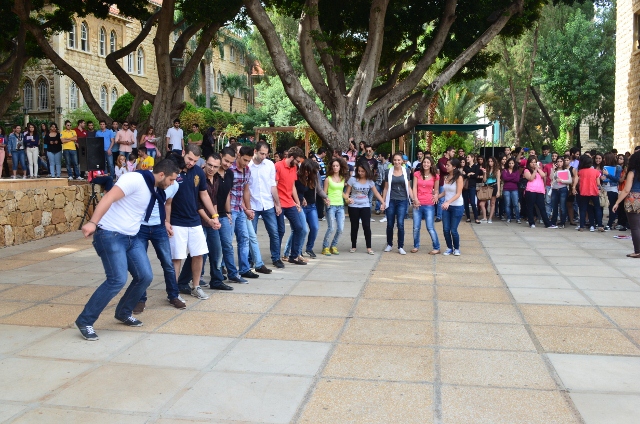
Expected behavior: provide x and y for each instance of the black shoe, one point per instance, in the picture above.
(220, 286)
(87, 332)
(438, 219)
(278, 264)
(139, 308)
(263, 270)
(184, 288)
(130, 321)
(224, 270)
(238, 280)
(297, 261)
(311, 254)
(249, 274)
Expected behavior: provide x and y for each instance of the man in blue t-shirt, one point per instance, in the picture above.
(183, 220)
(108, 140)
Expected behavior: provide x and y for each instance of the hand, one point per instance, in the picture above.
(445, 206)
(215, 223)
(383, 207)
(304, 202)
(605, 172)
(615, 207)
(169, 228)
(327, 202)
(298, 208)
(278, 210)
(350, 201)
(416, 204)
(88, 229)
(498, 195)
(250, 213)
(230, 219)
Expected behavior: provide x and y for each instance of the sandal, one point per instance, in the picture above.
(352, 250)
(414, 250)
(468, 219)
(633, 255)
(477, 221)
(434, 252)
(371, 252)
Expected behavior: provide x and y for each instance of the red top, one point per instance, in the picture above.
(548, 169)
(80, 133)
(589, 182)
(425, 188)
(286, 176)
(442, 167)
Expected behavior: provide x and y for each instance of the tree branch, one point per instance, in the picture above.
(20, 57)
(194, 61)
(324, 51)
(384, 88)
(401, 110)
(309, 61)
(181, 43)
(529, 78)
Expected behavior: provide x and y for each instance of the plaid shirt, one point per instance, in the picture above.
(240, 179)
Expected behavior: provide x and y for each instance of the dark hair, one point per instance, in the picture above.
(89, 122)
(132, 157)
(574, 150)
(322, 150)
(432, 169)
(510, 159)
(176, 158)
(80, 121)
(450, 148)
(214, 155)
(530, 159)
(53, 124)
(195, 125)
(230, 151)
(308, 174)
(295, 152)
(260, 144)
(495, 169)
(585, 162)
(610, 159)
(101, 121)
(176, 120)
(167, 166)
(30, 124)
(142, 149)
(344, 168)
(246, 151)
(133, 123)
(634, 165)
(455, 162)
(193, 148)
(65, 122)
(601, 165)
(368, 173)
(545, 147)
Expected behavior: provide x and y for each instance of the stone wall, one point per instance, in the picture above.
(35, 213)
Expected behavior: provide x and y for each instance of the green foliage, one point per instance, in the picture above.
(201, 101)
(122, 106)
(277, 106)
(459, 103)
(442, 141)
(255, 117)
(232, 84)
(83, 112)
(220, 120)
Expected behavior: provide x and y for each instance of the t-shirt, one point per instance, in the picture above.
(442, 167)
(398, 188)
(175, 138)
(154, 218)
(194, 137)
(286, 177)
(360, 193)
(124, 215)
(146, 163)
(68, 145)
(225, 183)
(124, 135)
(588, 179)
(184, 207)
(548, 170)
(425, 188)
(106, 135)
(80, 133)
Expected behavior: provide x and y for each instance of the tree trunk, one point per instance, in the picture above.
(207, 84)
(430, 117)
(19, 59)
(544, 111)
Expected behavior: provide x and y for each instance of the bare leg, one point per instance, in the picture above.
(570, 212)
(196, 270)
(492, 208)
(483, 209)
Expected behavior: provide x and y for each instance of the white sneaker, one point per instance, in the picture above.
(448, 252)
(71, 178)
(388, 248)
(199, 293)
(533, 225)
(373, 220)
(384, 219)
(489, 222)
(456, 252)
(79, 179)
(401, 251)
(323, 219)
(181, 299)
(592, 229)
(552, 226)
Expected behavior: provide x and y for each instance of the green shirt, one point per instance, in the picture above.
(194, 137)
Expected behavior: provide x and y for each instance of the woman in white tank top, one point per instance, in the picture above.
(452, 209)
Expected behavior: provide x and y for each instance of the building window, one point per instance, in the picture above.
(636, 31)
(112, 42)
(27, 90)
(114, 97)
(43, 95)
(130, 63)
(140, 61)
(73, 96)
(84, 37)
(219, 83)
(72, 37)
(242, 57)
(593, 132)
(232, 54)
(102, 41)
(103, 97)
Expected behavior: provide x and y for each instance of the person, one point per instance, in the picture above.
(511, 177)
(133, 127)
(452, 206)
(303, 180)
(108, 140)
(310, 184)
(337, 176)
(589, 189)
(320, 204)
(264, 198)
(69, 139)
(360, 190)
(286, 176)
(442, 168)
(208, 142)
(276, 157)
(115, 149)
(380, 174)
(183, 221)
(546, 156)
(131, 162)
(461, 154)
(418, 161)
(43, 130)
(3, 146)
(16, 151)
(32, 148)
(491, 179)
(622, 215)
(100, 178)
(610, 184)
(426, 185)
(196, 136)
(121, 166)
(91, 130)
(559, 192)
(570, 196)
(575, 157)
(534, 192)
(124, 140)
(548, 170)
(396, 194)
(474, 175)
(115, 225)
(630, 195)
(144, 161)
(175, 138)
(362, 146)
(149, 141)
(352, 154)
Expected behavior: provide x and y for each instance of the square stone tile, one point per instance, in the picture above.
(485, 336)
(588, 271)
(45, 315)
(395, 309)
(281, 327)
(524, 269)
(549, 296)
(615, 298)
(34, 293)
(569, 316)
(327, 288)
(584, 340)
(8, 410)
(401, 277)
(81, 295)
(388, 332)
(478, 312)
(475, 405)
(55, 415)
(242, 397)
(31, 379)
(209, 323)
(151, 318)
(593, 373)
(539, 282)
(173, 351)
(314, 305)
(531, 260)
(495, 368)
(275, 357)
(473, 294)
(7, 308)
(343, 401)
(278, 287)
(625, 317)
(391, 363)
(398, 291)
(603, 283)
(600, 408)
(243, 303)
(72, 279)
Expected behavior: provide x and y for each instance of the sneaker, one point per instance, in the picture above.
(87, 332)
(79, 179)
(377, 212)
(388, 248)
(438, 219)
(184, 289)
(373, 220)
(139, 307)
(249, 274)
(311, 254)
(533, 225)
(323, 219)
(508, 221)
(518, 221)
(448, 252)
(238, 279)
(326, 251)
(561, 226)
(199, 293)
(13, 177)
(553, 227)
(181, 299)
(334, 251)
(607, 228)
(177, 303)
(489, 222)
(70, 178)
(456, 252)
(263, 270)
(131, 321)
(592, 229)
(622, 228)
(384, 219)
(401, 251)
(619, 227)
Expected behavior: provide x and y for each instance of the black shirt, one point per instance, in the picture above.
(473, 179)
(224, 187)
(53, 148)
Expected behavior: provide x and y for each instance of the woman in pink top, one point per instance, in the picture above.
(149, 142)
(589, 200)
(425, 190)
(534, 194)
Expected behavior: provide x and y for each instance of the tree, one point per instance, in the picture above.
(234, 84)
(459, 103)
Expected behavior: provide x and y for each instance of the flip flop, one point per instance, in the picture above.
(414, 250)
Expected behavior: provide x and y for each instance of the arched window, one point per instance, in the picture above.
(232, 54)
(102, 42)
(140, 61)
(242, 57)
(103, 98)
(130, 63)
(43, 95)
(27, 90)
(84, 37)
(114, 97)
(72, 37)
(112, 42)
(219, 83)
(73, 96)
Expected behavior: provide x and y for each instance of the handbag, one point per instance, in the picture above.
(484, 193)
(604, 199)
(632, 203)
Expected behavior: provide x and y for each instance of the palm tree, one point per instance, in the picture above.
(459, 103)
(234, 84)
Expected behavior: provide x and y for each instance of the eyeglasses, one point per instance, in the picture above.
(125, 125)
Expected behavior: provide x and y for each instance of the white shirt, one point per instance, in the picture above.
(176, 137)
(135, 139)
(414, 164)
(154, 218)
(124, 216)
(263, 177)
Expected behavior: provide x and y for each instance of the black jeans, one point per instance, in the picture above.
(533, 200)
(355, 215)
(470, 198)
(320, 206)
(634, 224)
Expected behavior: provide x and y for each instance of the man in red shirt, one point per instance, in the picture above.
(442, 167)
(286, 176)
(81, 133)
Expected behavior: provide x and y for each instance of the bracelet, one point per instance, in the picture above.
(214, 216)
(92, 223)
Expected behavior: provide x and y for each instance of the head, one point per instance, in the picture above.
(114, 125)
(575, 153)
(165, 173)
(361, 146)
(142, 152)
(363, 171)
(545, 149)
(103, 125)
(276, 157)
(453, 166)
(368, 151)
(507, 151)
(598, 160)
(121, 161)
(463, 162)
(532, 163)
(308, 173)
(212, 164)
(622, 160)
(176, 123)
(503, 161)
(150, 130)
(450, 152)
(420, 155)
(295, 156)
(471, 159)
(81, 124)
(31, 129)
(492, 165)
(586, 161)
(322, 152)
(261, 152)
(227, 156)
(132, 157)
(192, 153)
(428, 166)
(67, 125)
(559, 163)
(133, 126)
(567, 161)
(338, 167)
(244, 156)
(90, 125)
(554, 156)
(352, 144)
(480, 160)
(195, 128)
(511, 164)
(610, 159)
(53, 127)
(125, 125)
(397, 160)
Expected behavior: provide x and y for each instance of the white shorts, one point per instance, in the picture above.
(189, 239)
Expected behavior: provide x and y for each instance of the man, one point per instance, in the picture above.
(91, 131)
(286, 176)
(108, 140)
(183, 221)
(546, 157)
(442, 167)
(322, 153)
(461, 154)
(575, 157)
(195, 137)
(80, 133)
(124, 140)
(548, 170)
(115, 224)
(115, 149)
(264, 198)
(144, 161)
(133, 127)
(382, 166)
(175, 138)
(418, 161)
(507, 152)
(69, 139)
(373, 166)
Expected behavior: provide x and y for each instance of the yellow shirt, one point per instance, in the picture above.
(147, 163)
(69, 145)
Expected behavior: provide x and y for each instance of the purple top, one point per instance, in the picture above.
(31, 140)
(511, 180)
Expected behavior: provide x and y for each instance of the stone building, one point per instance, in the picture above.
(627, 112)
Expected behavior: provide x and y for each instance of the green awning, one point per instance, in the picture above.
(452, 127)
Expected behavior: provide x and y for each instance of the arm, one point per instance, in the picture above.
(347, 195)
(167, 139)
(625, 192)
(113, 140)
(498, 177)
(384, 190)
(294, 195)
(528, 175)
(379, 197)
(459, 183)
(575, 181)
(414, 192)
(227, 206)
(541, 172)
(104, 204)
(213, 211)
(167, 222)
(276, 200)
(246, 198)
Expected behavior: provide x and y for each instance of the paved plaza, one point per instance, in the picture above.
(527, 326)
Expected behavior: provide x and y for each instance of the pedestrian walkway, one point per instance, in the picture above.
(527, 326)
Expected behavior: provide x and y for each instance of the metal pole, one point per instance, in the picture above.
(413, 140)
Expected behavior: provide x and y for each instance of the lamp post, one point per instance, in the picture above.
(25, 111)
(58, 120)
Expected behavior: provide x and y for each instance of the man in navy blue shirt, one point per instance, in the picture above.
(109, 138)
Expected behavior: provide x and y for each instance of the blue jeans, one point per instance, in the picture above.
(450, 220)
(157, 235)
(295, 222)
(590, 205)
(427, 213)
(547, 201)
(215, 261)
(311, 215)
(71, 159)
(271, 224)
(226, 240)
(335, 222)
(19, 156)
(301, 236)
(511, 204)
(440, 202)
(151, 152)
(396, 211)
(254, 247)
(109, 161)
(242, 240)
(559, 200)
(379, 188)
(55, 163)
(116, 249)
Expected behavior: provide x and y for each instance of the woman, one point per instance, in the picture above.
(277, 157)
(54, 150)
(491, 179)
(149, 140)
(425, 189)
(474, 175)
(396, 194)
(610, 185)
(337, 175)
(559, 191)
(352, 154)
(121, 166)
(15, 145)
(3, 146)
(361, 148)
(452, 207)
(358, 188)
(630, 195)
(534, 193)
(589, 201)
(309, 178)
(622, 214)
(43, 130)
(511, 177)
(571, 198)
(501, 211)
(32, 144)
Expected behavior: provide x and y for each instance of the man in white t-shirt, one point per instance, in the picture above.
(175, 138)
(115, 224)
(417, 162)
